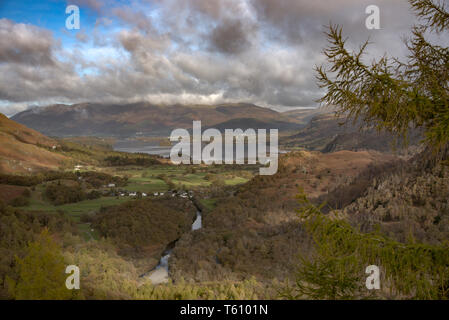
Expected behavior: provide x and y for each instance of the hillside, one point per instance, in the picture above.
(143, 119)
(410, 201)
(255, 231)
(247, 123)
(303, 116)
(23, 149)
(327, 133)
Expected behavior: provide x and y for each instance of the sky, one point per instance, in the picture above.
(181, 51)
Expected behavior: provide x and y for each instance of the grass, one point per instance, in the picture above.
(152, 171)
(74, 210)
(235, 180)
(85, 230)
(191, 180)
(147, 185)
(140, 179)
(146, 180)
(209, 204)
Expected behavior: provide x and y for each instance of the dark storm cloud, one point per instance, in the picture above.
(197, 51)
(230, 37)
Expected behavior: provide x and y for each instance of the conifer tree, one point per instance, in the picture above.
(390, 94)
(41, 273)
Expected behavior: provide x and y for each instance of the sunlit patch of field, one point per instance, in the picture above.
(235, 180)
(156, 178)
(146, 185)
(192, 179)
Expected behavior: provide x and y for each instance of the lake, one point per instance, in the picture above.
(133, 146)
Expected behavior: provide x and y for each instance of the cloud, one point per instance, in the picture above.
(197, 51)
(27, 44)
(302, 22)
(231, 36)
(133, 18)
(95, 5)
(82, 37)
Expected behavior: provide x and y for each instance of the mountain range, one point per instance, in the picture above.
(147, 119)
(310, 129)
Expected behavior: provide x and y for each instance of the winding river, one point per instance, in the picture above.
(160, 273)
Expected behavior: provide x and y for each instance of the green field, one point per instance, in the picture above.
(209, 204)
(155, 179)
(86, 231)
(148, 180)
(147, 185)
(74, 210)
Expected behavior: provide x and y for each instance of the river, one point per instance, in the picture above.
(160, 273)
